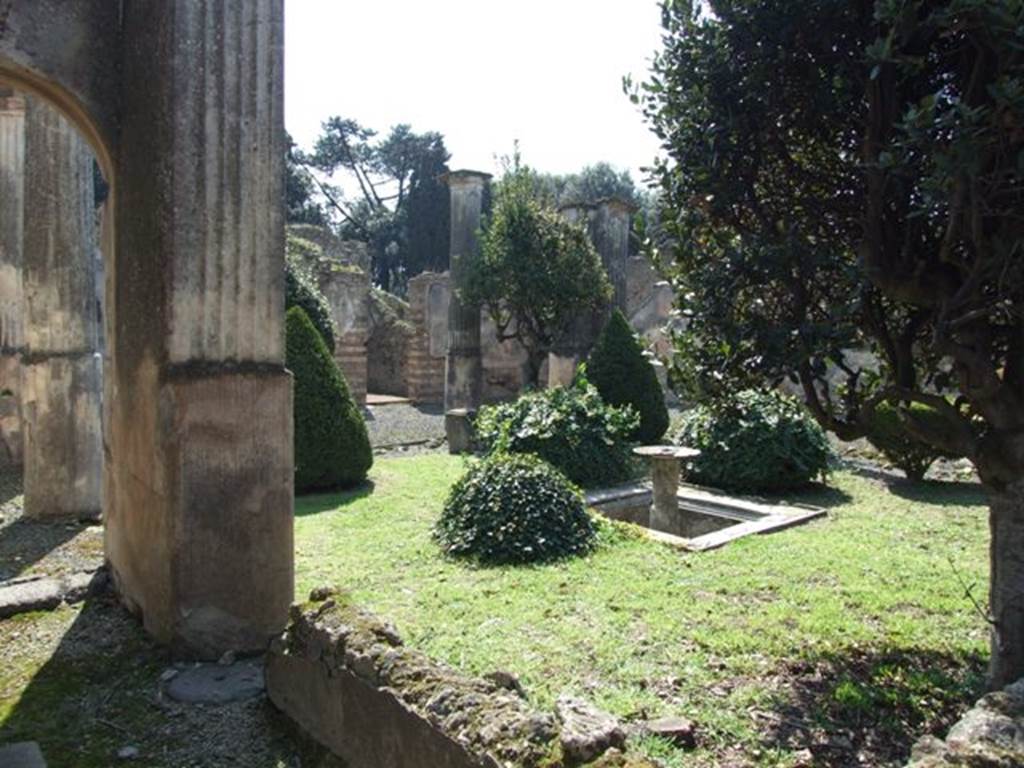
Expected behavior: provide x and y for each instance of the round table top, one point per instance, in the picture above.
(666, 452)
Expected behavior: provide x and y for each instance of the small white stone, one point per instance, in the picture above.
(128, 753)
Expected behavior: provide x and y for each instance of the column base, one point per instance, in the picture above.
(60, 405)
(200, 544)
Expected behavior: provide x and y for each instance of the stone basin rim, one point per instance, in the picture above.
(666, 452)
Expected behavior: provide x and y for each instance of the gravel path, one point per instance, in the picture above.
(31, 548)
(394, 425)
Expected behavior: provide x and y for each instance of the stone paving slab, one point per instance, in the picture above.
(25, 754)
(26, 595)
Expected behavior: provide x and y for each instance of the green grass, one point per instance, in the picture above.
(852, 633)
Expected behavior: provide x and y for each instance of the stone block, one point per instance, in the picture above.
(346, 679)
(458, 429)
(63, 438)
(40, 595)
(25, 754)
(201, 542)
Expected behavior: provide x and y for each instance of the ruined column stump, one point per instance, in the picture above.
(458, 429)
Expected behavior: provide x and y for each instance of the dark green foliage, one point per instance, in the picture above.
(302, 206)
(300, 291)
(514, 509)
(571, 428)
(428, 213)
(888, 433)
(393, 201)
(332, 449)
(754, 441)
(536, 272)
(624, 376)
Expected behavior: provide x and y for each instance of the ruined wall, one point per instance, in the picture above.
(347, 290)
(429, 296)
(649, 305)
(388, 346)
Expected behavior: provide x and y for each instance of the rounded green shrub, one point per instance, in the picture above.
(754, 441)
(624, 376)
(301, 291)
(571, 428)
(332, 449)
(513, 508)
(888, 434)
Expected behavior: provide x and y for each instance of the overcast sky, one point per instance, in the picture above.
(483, 73)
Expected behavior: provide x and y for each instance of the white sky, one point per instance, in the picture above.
(482, 72)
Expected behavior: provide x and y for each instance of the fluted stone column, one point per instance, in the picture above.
(12, 332)
(199, 479)
(464, 366)
(572, 346)
(609, 229)
(61, 375)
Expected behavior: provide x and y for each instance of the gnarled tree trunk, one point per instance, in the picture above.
(1006, 584)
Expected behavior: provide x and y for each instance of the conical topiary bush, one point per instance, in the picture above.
(624, 376)
(332, 449)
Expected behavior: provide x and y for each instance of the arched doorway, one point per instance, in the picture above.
(183, 104)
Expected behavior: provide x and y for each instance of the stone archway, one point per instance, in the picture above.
(183, 102)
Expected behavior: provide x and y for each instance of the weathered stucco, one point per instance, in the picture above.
(61, 365)
(183, 103)
(464, 366)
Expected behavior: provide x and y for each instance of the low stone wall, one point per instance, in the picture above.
(347, 681)
(990, 735)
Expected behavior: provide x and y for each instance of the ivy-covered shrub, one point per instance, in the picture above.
(332, 449)
(624, 376)
(300, 290)
(571, 428)
(888, 434)
(514, 509)
(754, 441)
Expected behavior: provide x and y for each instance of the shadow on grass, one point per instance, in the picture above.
(97, 692)
(940, 492)
(868, 708)
(316, 503)
(814, 494)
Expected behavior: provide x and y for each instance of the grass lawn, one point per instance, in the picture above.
(837, 643)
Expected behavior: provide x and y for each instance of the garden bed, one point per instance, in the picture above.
(837, 644)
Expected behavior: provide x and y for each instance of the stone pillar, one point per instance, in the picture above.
(464, 368)
(12, 333)
(609, 229)
(61, 375)
(572, 347)
(199, 451)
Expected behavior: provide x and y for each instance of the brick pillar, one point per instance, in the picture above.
(429, 295)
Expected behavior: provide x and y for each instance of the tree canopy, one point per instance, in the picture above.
(537, 272)
(385, 191)
(845, 177)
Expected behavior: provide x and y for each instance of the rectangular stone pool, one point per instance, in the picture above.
(706, 518)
